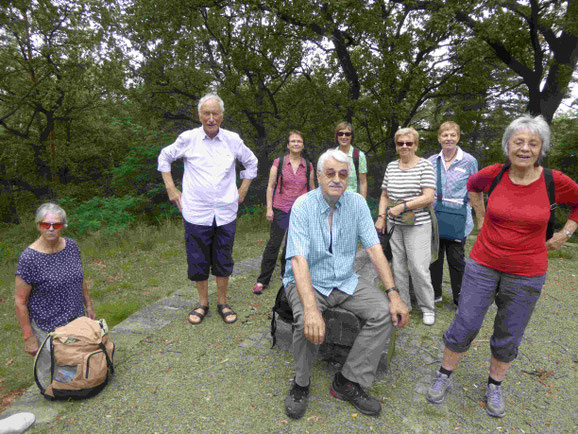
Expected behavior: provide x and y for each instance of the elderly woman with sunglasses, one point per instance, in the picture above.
(50, 290)
(408, 190)
(509, 260)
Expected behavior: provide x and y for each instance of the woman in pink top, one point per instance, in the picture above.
(281, 193)
(508, 262)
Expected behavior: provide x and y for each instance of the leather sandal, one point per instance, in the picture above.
(199, 314)
(225, 315)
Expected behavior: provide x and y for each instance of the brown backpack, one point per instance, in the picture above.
(82, 357)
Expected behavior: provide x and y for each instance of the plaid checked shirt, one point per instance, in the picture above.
(309, 237)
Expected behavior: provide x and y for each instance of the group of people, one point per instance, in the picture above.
(323, 226)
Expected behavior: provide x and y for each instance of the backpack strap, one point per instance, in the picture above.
(356, 161)
(280, 173)
(108, 359)
(307, 173)
(439, 192)
(550, 187)
(498, 178)
(36, 357)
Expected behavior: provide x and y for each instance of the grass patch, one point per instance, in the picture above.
(116, 312)
(561, 253)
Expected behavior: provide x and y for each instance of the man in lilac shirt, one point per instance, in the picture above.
(210, 200)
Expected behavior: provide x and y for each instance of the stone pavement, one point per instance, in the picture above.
(174, 377)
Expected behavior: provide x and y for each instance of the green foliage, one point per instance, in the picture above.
(107, 215)
(564, 153)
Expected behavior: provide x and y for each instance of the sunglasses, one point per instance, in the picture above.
(346, 134)
(408, 144)
(342, 174)
(46, 225)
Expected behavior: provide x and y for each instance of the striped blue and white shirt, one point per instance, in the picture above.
(309, 237)
(455, 180)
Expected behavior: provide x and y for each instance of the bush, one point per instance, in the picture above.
(108, 215)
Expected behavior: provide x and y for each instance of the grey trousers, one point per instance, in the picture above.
(368, 303)
(44, 357)
(411, 249)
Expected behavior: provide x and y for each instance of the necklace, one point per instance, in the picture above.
(453, 156)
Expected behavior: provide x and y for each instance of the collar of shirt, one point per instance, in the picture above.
(459, 156)
(324, 207)
(288, 161)
(218, 137)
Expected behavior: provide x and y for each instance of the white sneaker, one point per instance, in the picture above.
(17, 423)
(429, 318)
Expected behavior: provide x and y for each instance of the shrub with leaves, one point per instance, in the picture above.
(108, 215)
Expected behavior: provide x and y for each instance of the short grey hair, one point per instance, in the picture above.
(47, 207)
(335, 154)
(208, 97)
(536, 125)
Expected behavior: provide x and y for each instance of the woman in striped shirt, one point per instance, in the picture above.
(408, 189)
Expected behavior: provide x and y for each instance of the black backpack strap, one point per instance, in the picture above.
(307, 173)
(439, 192)
(550, 187)
(108, 359)
(498, 178)
(280, 174)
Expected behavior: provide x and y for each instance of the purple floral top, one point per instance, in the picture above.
(56, 280)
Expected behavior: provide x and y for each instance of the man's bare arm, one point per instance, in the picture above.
(313, 320)
(173, 192)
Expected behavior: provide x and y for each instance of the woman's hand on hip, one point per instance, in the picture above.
(557, 241)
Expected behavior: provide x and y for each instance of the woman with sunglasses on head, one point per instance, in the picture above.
(407, 190)
(50, 290)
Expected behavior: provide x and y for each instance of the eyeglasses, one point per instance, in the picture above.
(346, 134)
(46, 225)
(408, 144)
(342, 174)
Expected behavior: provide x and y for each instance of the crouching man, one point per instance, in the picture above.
(325, 227)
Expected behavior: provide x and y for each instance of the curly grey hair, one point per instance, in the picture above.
(45, 208)
(536, 125)
(332, 153)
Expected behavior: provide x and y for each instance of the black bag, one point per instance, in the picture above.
(451, 221)
(550, 187)
(283, 309)
(385, 245)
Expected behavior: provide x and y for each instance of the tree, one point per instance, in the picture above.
(58, 63)
(536, 40)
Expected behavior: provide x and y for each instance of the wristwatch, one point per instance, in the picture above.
(404, 206)
(567, 233)
(387, 291)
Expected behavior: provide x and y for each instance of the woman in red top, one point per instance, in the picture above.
(280, 198)
(509, 260)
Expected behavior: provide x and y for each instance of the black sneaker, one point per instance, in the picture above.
(296, 401)
(353, 393)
